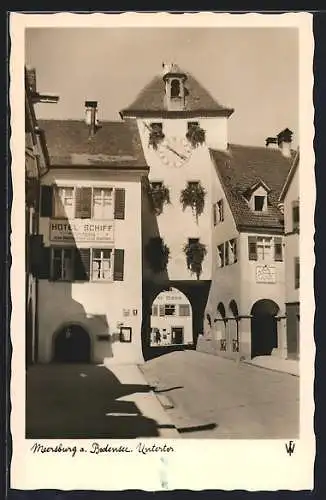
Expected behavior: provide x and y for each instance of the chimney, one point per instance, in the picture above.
(284, 140)
(91, 116)
(31, 79)
(271, 142)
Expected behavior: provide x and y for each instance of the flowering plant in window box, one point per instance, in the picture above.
(156, 136)
(196, 136)
(195, 254)
(159, 196)
(193, 196)
(157, 254)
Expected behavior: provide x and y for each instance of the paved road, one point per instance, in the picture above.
(89, 401)
(224, 399)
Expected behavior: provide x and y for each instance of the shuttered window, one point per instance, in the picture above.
(46, 201)
(226, 246)
(82, 261)
(295, 215)
(83, 201)
(278, 253)
(119, 203)
(162, 310)
(234, 251)
(118, 271)
(296, 273)
(184, 310)
(220, 251)
(214, 214)
(252, 247)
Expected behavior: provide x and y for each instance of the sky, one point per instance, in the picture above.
(253, 70)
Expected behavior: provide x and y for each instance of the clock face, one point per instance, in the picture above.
(174, 151)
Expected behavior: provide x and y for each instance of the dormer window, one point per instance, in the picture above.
(257, 196)
(259, 202)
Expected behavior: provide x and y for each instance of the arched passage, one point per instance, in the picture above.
(171, 319)
(220, 326)
(234, 325)
(263, 327)
(72, 344)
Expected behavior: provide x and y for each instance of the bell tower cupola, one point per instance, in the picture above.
(175, 90)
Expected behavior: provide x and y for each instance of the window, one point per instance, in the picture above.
(161, 310)
(264, 248)
(295, 216)
(157, 126)
(233, 251)
(169, 310)
(214, 214)
(261, 247)
(156, 185)
(102, 203)
(191, 125)
(296, 273)
(175, 88)
(184, 310)
(193, 184)
(101, 264)
(193, 241)
(259, 203)
(220, 211)
(278, 251)
(62, 264)
(64, 202)
(220, 250)
(226, 250)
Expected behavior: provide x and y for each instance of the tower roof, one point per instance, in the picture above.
(150, 101)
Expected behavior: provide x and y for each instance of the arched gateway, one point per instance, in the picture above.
(263, 327)
(171, 319)
(72, 344)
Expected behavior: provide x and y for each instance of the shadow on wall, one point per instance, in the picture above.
(57, 397)
(77, 336)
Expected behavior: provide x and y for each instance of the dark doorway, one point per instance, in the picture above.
(263, 328)
(72, 345)
(177, 335)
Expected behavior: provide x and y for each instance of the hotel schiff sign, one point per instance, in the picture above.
(81, 230)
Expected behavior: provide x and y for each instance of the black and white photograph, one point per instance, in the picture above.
(167, 239)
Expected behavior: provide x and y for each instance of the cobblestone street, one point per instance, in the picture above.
(210, 397)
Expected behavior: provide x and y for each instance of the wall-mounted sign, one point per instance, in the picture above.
(125, 334)
(265, 274)
(171, 296)
(81, 230)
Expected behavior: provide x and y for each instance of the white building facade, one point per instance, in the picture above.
(291, 206)
(177, 121)
(90, 294)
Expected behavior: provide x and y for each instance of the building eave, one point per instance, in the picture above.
(163, 113)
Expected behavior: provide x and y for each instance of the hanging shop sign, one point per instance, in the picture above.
(81, 230)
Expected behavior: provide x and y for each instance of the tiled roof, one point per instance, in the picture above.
(114, 145)
(239, 169)
(198, 101)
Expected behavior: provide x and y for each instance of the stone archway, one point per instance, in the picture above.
(263, 327)
(72, 344)
(234, 325)
(220, 326)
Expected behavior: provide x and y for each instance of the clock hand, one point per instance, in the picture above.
(176, 152)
